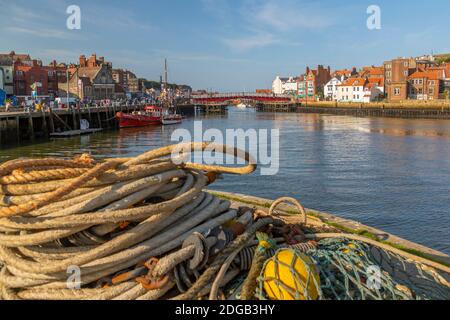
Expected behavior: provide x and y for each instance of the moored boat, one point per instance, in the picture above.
(171, 119)
(151, 115)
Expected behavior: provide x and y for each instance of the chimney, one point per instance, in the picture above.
(101, 60)
(92, 60)
(82, 61)
(307, 70)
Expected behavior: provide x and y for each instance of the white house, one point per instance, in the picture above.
(351, 90)
(372, 92)
(285, 85)
(330, 90)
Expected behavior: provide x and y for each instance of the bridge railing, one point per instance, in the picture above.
(240, 95)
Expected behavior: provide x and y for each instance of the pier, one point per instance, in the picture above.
(18, 126)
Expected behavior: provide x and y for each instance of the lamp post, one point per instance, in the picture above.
(68, 87)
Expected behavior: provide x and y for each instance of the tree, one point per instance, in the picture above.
(443, 59)
(447, 94)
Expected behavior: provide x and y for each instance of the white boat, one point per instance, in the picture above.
(241, 106)
(171, 119)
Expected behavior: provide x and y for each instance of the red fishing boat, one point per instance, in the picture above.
(152, 115)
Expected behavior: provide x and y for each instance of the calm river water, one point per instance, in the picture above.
(393, 174)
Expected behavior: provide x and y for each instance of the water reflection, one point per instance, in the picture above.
(390, 173)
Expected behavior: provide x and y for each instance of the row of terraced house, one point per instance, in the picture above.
(420, 78)
(91, 78)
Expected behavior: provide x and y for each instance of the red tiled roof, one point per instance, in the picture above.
(352, 82)
(373, 71)
(378, 81)
(343, 72)
(429, 74)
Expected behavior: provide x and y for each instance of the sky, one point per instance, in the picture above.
(225, 45)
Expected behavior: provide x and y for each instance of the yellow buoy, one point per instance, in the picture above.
(289, 274)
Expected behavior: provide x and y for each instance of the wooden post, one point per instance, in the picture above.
(18, 129)
(44, 122)
(74, 120)
(99, 119)
(30, 126)
(89, 116)
(113, 118)
(79, 117)
(50, 120)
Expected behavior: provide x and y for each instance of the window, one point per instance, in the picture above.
(420, 81)
(405, 72)
(397, 91)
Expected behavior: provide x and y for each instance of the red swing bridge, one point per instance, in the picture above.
(219, 102)
(243, 97)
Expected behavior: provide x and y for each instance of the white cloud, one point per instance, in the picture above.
(284, 15)
(243, 44)
(39, 32)
(261, 23)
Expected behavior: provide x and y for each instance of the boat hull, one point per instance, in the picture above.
(170, 120)
(131, 120)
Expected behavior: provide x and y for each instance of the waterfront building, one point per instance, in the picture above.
(331, 88)
(311, 84)
(426, 84)
(285, 85)
(6, 74)
(28, 76)
(396, 73)
(134, 85)
(352, 90)
(57, 73)
(91, 79)
(127, 80)
(8, 63)
(446, 67)
(373, 90)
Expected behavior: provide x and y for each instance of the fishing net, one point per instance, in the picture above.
(342, 269)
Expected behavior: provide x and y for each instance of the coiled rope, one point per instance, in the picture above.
(102, 219)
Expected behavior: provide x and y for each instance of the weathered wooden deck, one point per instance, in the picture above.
(17, 126)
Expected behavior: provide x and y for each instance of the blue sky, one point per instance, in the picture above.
(225, 45)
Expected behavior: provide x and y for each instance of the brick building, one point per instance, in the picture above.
(90, 79)
(426, 84)
(127, 80)
(27, 75)
(396, 73)
(311, 84)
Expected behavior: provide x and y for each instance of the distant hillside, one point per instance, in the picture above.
(148, 84)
